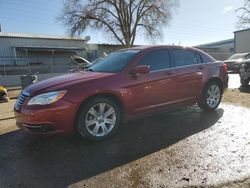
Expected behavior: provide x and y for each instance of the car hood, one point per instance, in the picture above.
(246, 61)
(233, 61)
(63, 81)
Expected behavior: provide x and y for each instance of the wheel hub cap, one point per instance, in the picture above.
(100, 119)
(213, 96)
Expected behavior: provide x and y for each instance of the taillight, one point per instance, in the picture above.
(225, 67)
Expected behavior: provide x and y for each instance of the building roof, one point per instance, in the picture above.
(214, 44)
(46, 48)
(242, 30)
(35, 36)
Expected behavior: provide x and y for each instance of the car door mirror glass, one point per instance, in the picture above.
(140, 69)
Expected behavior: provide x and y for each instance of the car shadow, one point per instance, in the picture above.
(60, 161)
(244, 89)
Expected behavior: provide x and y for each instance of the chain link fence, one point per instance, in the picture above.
(10, 65)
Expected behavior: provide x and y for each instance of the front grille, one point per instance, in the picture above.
(19, 102)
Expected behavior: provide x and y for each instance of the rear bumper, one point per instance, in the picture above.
(57, 118)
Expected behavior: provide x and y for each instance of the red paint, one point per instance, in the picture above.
(139, 95)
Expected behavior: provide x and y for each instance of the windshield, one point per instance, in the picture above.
(96, 60)
(237, 56)
(114, 62)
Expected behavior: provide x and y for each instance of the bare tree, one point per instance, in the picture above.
(244, 18)
(122, 18)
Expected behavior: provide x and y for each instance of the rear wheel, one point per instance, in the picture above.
(98, 118)
(211, 96)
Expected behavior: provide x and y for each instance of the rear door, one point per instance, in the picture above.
(190, 72)
(155, 89)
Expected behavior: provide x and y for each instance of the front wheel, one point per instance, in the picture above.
(98, 118)
(211, 96)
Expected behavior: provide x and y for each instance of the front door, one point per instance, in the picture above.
(157, 88)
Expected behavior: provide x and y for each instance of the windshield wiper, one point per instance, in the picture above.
(89, 69)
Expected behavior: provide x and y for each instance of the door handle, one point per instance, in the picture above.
(169, 73)
(201, 67)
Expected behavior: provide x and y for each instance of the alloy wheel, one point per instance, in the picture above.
(213, 96)
(100, 119)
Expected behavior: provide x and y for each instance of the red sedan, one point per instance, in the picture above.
(127, 84)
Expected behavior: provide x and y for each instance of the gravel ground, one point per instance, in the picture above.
(216, 157)
(183, 148)
(240, 96)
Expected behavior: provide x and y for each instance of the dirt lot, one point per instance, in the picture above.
(240, 96)
(182, 148)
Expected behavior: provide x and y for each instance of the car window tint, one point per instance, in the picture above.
(156, 60)
(114, 62)
(185, 57)
(199, 60)
(206, 58)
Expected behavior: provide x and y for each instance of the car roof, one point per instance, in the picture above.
(150, 47)
(246, 53)
(155, 46)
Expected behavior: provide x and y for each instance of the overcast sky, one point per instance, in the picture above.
(195, 21)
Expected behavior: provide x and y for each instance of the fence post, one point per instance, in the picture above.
(27, 58)
(29, 66)
(4, 68)
(52, 61)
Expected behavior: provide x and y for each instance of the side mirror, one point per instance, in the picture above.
(140, 69)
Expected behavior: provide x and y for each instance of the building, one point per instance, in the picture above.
(22, 53)
(220, 50)
(242, 41)
(28, 53)
(108, 48)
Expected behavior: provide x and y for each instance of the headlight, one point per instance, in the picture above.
(46, 98)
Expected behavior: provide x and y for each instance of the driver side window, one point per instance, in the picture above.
(157, 60)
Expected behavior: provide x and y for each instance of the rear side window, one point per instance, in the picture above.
(185, 57)
(157, 60)
(206, 58)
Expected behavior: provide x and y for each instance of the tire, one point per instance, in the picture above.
(211, 96)
(98, 118)
(244, 82)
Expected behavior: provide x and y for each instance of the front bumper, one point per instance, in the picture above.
(56, 118)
